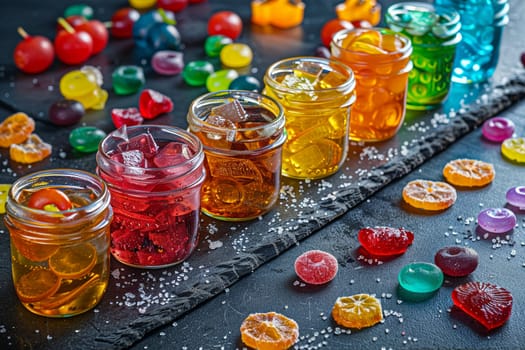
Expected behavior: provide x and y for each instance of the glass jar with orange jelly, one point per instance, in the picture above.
(242, 133)
(58, 222)
(380, 59)
(316, 95)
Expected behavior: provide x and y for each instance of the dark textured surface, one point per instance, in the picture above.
(144, 307)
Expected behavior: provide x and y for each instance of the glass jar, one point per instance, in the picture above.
(380, 59)
(60, 255)
(154, 174)
(482, 23)
(243, 134)
(316, 95)
(434, 35)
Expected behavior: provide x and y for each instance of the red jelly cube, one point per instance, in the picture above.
(131, 158)
(385, 241)
(126, 116)
(143, 142)
(173, 153)
(487, 303)
(152, 103)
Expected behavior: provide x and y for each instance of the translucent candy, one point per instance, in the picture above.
(66, 112)
(498, 129)
(86, 138)
(497, 220)
(195, 73)
(385, 241)
(420, 278)
(236, 55)
(31, 151)
(128, 80)
(353, 10)
(514, 149)
(16, 129)
(221, 79)
(245, 82)
(232, 111)
(214, 44)
(279, 13)
(168, 62)
(143, 143)
(516, 196)
(456, 261)
(152, 104)
(316, 267)
(84, 86)
(487, 303)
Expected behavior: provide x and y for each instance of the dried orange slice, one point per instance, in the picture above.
(16, 129)
(269, 331)
(429, 195)
(37, 285)
(469, 172)
(73, 262)
(357, 311)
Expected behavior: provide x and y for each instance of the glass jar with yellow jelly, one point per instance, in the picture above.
(380, 59)
(58, 221)
(316, 95)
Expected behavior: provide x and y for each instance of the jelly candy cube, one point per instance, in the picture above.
(132, 158)
(152, 104)
(316, 267)
(143, 143)
(385, 241)
(232, 111)
(31, 151)
(173, 153)
(487, 303)
(126, 116)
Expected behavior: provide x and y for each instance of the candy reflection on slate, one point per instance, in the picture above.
(497, 220)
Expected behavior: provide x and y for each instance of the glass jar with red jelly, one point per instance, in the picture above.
(242, 133)
(154, 174)
(58, 222)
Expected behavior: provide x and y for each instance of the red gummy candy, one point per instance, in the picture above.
(316, 267)
(487, 303)
(126, 116)
(152, 104)
(385, 241)
(143, 143)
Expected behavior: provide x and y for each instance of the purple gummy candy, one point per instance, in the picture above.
(168, 62)
(497, 220)
(516, 196)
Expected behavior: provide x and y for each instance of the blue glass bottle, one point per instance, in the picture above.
(482, 23)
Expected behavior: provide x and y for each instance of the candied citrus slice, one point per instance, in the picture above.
(469, 172)
(37, 285)
(357, 311)
(429, 195)
(30, 250)
(514, 149)
(16, 129)
(73, 262)
(31, 151)
(269, 331)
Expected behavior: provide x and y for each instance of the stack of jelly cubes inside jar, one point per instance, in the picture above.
(154, 175)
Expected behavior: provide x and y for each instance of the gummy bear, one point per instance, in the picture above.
(84, 86)
(279, 13)
(31, 151)
(356, 10)
(152, 104)
(16, 129)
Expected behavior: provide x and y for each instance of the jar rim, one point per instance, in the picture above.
(348, 85)
(32, 178)
(243, 95)
(405, 50)
(447, 18)
(183, 134)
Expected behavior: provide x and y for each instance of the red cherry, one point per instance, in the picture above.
(34, 54)
(98, 32)
(227, 23)
(172, 5)
(72, 47)
(122, 22)
(331, 27)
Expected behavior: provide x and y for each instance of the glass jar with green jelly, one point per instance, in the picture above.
(434, 34)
